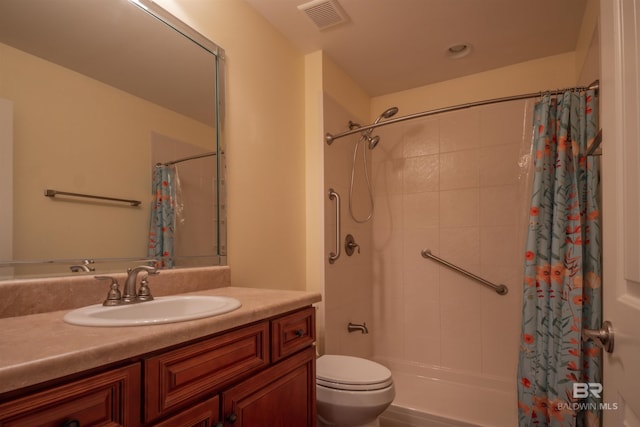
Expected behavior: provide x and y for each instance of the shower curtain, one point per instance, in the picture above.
(163, 215)
(562, 269)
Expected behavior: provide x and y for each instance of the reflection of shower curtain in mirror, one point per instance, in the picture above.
(163, 218)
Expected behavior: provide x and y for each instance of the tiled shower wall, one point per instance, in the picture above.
(454, 183)
(348, 287)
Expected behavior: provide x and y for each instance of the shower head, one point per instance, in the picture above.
(386, 114)
(373, 141)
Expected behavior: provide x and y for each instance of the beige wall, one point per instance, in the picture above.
(588, 45)
(265, 134)
(6, 181)
(314, 186)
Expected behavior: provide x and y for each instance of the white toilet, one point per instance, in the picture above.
(351, 391)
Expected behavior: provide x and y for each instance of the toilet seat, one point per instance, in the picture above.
(351, 373)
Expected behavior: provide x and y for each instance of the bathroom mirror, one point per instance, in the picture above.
(92, 95)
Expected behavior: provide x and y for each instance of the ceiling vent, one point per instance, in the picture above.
(324, 13)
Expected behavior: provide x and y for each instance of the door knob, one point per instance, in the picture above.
(602, 337)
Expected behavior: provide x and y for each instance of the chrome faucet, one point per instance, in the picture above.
(353, 327)
(129, 294)
(84, 267)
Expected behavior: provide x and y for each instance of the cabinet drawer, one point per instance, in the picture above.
(108, 399)
(184, 375)
(205, 414)
(292, 332)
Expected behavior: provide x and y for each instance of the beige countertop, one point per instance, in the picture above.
(42, 347)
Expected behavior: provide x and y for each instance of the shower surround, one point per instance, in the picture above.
(456, 183)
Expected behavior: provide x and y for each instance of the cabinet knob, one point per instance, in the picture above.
(232, 418)
(299, 333)
(71, 423)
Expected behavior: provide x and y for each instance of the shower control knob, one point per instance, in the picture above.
(350, 245)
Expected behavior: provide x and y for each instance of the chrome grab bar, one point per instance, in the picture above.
(500, 289)
(333, 256)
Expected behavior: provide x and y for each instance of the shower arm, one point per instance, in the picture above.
(329, 138)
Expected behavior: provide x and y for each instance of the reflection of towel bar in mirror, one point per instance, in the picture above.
(54, 193)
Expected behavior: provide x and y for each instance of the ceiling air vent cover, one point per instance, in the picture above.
(324, 13)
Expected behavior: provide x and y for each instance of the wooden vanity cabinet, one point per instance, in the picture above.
(238, 368)
(261, 374)
(111, 399)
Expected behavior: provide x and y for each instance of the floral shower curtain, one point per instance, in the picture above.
(163, 216)
(562, 268)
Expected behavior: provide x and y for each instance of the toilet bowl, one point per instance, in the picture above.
(351, 391)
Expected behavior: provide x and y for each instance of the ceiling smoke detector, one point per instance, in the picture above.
(324, 13)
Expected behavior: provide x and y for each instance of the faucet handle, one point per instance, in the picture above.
(114, 297)
(144, 293)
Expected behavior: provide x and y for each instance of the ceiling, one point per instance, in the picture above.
(392, 45)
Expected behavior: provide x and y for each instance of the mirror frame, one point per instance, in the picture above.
(187, 31)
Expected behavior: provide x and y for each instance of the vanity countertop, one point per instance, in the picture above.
(42, 347)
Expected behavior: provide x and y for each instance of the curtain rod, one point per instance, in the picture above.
(329, 138)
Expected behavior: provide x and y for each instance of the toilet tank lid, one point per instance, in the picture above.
(350, 370)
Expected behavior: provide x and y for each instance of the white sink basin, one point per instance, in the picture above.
(169, 309)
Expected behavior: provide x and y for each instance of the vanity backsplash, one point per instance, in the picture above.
(31, 296)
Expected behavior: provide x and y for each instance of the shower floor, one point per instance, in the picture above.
(427, 397)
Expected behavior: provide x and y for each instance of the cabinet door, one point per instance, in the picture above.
(282, 396)
(175, 379)
(108, 399)
(206, 414)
